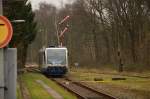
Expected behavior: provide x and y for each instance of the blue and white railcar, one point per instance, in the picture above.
(55, 61)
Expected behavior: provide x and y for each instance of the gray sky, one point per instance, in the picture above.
(57, 3)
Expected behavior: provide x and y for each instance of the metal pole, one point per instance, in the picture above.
(1, 63)
(57, 32)
(1, 8)
(10, 72)
(2, 74)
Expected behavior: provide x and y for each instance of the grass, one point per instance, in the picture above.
(18, 92)
(131, 88)
(133, 69)
(130, 82)
(38, 92)
(134, 83)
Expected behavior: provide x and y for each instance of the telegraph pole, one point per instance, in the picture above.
(1, 62)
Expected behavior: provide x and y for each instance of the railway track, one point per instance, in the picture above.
(36, 69)
(80, 90)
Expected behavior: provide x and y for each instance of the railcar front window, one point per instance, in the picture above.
(56, 56)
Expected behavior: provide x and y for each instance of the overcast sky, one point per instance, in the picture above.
(57, 3)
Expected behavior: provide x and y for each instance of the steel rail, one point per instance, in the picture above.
(78, 93)
(75, 93)
(92, 89)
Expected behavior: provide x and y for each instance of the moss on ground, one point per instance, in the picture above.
(38, 92)
(18, 92)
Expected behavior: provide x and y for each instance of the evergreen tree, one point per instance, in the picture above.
(25, 32)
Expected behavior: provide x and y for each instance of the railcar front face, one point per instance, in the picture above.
(56, 61)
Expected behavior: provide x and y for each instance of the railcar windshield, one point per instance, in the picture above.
(56, 56)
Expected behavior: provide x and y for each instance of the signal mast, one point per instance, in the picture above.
(60, 33)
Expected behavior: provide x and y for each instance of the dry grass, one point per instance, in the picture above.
(131, 88)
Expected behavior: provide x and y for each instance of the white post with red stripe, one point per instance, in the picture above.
(65, 19)
(60, 36)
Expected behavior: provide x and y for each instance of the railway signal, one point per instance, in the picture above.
(65, 19)
(61, 33)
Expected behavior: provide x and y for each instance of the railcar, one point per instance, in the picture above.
(54, 61)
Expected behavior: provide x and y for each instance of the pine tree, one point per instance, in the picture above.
(24, 33)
